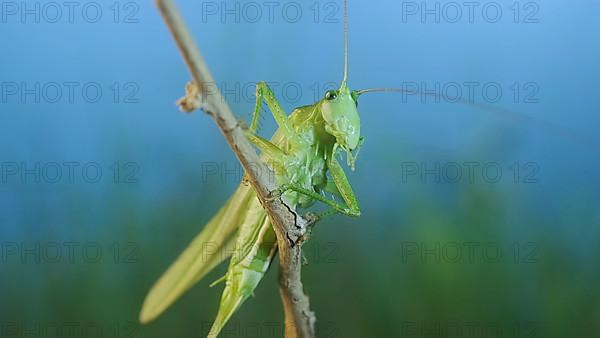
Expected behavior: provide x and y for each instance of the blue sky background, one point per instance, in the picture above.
(170, 196)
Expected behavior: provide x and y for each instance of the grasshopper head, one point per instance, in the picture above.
(339, 109)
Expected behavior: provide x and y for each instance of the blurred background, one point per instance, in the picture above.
(477, 220)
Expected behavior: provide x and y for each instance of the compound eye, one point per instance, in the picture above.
(330, 95)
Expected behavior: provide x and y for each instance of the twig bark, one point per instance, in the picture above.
(290, 227)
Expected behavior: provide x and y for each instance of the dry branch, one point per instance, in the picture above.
(289, 226)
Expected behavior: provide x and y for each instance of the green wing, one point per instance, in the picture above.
(200, 257)
(256, 244)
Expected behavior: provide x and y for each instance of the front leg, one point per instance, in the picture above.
(349, 207)
(344, 188)
(263, 92)
(272, 151)
(337, 206)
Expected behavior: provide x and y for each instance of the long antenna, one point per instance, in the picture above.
(384, 90)
(345, 41)
(565, 132)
